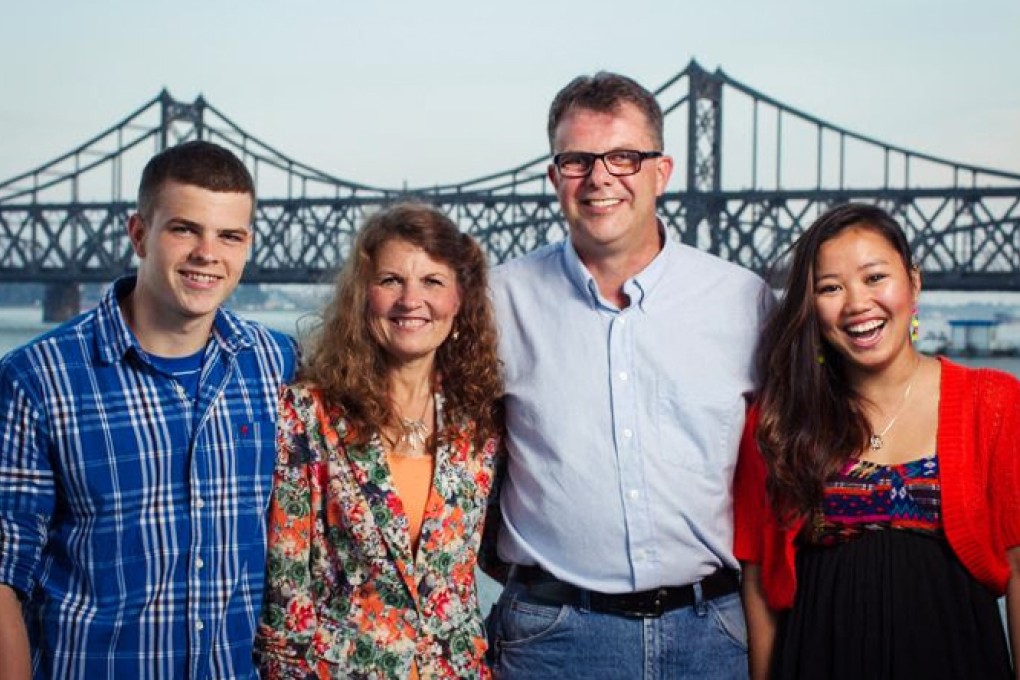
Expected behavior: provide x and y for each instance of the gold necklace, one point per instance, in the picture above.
(877, 440)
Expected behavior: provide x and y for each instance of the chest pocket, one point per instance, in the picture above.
(233, 462)
(255, 445)
(698, 431)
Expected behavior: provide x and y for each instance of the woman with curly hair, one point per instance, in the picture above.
(877, 496)
(386, 448)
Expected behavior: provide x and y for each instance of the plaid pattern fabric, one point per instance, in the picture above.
(132, 517)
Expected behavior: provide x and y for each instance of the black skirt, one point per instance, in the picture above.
(893, 605)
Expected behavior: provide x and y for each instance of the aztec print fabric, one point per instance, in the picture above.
(866, 496)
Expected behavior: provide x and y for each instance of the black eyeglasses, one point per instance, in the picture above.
(619, 163)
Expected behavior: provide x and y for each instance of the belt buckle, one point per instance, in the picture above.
(653, 609)
(658, 603)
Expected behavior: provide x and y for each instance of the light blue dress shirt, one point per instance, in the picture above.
(624, 424)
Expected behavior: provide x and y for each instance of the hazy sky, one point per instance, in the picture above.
(391, 91)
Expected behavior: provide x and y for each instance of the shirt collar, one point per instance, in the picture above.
(638, 288)
(115, 339)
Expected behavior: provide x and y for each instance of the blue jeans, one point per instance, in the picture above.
(531, 640)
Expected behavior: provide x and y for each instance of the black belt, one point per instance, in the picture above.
(543, 586)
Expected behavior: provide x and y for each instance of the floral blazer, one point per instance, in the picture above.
(344, 597)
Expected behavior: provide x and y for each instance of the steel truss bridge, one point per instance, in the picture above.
(746, 200)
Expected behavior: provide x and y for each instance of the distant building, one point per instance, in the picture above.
(972, 337)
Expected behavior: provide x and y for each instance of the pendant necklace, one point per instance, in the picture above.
(877, 441)
(413, 434)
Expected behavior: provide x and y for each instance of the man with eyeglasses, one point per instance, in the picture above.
(628, 358)
(137, 451)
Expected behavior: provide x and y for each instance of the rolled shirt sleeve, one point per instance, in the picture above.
(27, 490)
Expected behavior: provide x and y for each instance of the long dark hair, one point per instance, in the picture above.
(810, 418)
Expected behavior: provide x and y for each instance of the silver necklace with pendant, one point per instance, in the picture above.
(413, 435)
(877, 440)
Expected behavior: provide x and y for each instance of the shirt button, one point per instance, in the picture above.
(199, 502)
(199, 563)
(621, 321)
(199, 625)
(628, 433)
(633, 494)
(639, 555)
(623, 375)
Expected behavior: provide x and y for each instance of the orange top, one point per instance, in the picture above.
(412, 478)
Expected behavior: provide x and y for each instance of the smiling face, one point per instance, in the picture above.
(191, 250)
(412, 302)
(610, 215)
(864, 298)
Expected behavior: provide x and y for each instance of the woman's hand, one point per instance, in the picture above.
(761, 623)
(1013, 606)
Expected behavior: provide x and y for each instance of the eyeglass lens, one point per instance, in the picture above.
(580, 163)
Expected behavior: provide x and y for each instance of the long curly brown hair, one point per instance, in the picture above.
(345, 361)
(811, 418)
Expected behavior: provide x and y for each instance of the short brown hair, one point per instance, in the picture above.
(198, 163)
(605, 92)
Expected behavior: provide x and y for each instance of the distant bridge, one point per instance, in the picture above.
(747, 200)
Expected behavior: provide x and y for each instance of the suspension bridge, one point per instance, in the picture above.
(749, 182)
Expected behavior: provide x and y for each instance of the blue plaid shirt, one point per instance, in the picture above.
(132, 517)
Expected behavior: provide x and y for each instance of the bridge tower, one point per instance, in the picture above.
(173, 112)
(704, 151)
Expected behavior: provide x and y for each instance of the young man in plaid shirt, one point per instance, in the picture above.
(136, 452)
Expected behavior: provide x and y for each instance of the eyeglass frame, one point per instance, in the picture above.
(642, 156)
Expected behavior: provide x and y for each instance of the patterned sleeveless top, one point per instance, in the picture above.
(865, 496)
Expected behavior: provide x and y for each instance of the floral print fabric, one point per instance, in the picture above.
(345, 597)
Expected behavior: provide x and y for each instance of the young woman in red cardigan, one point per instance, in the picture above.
(878, 491)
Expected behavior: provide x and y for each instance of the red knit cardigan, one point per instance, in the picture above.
(978, 445)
